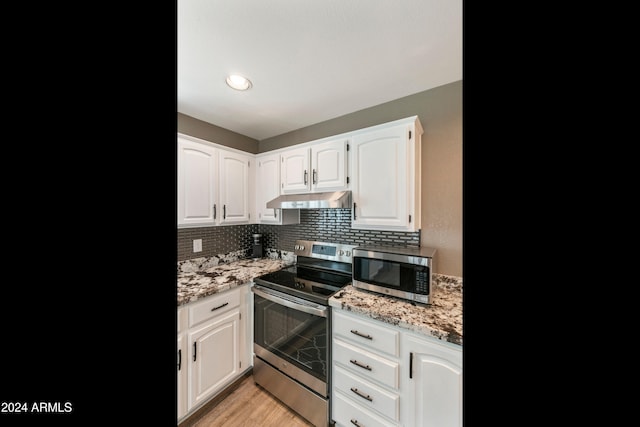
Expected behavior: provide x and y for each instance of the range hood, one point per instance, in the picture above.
(337, 199)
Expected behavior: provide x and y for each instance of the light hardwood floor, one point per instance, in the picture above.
(249, 405)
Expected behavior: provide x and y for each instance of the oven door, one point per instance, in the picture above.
(291, 334)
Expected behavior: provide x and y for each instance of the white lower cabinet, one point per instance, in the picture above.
(385, 376)
(434, 388)
(182, 363)
(213, 349)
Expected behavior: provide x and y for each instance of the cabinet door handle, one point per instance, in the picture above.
(360, 334)
(315, 177)
(195, 347)
(355, 362)
(361, 394)
(220, 306)
(179, 358)
(355, 422)
(275, 213)
(214, 211)
(411, 365)
(224, 211)
(305, 177)
(354, 211)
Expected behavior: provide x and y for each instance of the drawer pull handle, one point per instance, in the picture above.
(360, 334)
(220, 306)
(361, 394)
(355, 422)
(355, 362)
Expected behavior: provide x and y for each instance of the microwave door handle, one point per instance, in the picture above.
(322, 312)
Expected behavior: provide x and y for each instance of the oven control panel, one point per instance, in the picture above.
(324, 250)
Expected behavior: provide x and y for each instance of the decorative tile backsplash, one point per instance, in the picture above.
(327, 225)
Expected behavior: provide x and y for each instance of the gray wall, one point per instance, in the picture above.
(440, 112)
(203, 130)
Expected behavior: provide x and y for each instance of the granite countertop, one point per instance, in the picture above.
(201, 277)
(442, 319)
(199, 280)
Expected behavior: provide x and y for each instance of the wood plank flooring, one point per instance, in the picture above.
(249, 405)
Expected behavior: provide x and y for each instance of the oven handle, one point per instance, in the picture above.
(322, 312)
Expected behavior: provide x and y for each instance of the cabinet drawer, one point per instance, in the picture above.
(367, 394)
(366, 364)
(213, 306)
(365, 333)
(348, 414)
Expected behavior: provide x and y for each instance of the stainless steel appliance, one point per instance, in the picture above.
(402, 272)
(336, 199)
(292, 327)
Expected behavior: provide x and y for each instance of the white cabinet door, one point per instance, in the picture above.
(234, 187)
(267, 187)
(386, 178)
(182, 376)
(214, 356)
(433, 393)
(329, 165)
(295, 172)
(197, 183)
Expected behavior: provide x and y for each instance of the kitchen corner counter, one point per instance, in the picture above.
(442, 319)
(209, 280)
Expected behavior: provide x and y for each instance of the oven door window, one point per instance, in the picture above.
(295, 336)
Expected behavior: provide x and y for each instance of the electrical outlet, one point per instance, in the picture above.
(197, 245)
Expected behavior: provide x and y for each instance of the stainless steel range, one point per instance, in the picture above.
(292, 327)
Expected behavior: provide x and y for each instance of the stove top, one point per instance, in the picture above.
(307, 283)
(321, 270)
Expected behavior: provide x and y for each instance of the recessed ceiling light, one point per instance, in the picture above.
(238, 82)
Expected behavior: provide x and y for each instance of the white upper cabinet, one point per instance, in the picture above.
(319, 167)
(213, 184)
(329, 165)
(197, 183)
(295, 171)
(385, 181)
(379, 164)
(268, 188)
(234, 187)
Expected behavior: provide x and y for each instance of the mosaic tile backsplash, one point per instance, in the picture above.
(327, 225)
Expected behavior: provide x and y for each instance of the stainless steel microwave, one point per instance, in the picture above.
(402, 272)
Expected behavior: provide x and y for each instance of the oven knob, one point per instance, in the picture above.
(340, 252)
(348, 253)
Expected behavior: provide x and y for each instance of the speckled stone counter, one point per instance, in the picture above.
(442, 319)
(202, 277)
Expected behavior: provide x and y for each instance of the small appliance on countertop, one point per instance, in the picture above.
(403, 272)
(256, 248)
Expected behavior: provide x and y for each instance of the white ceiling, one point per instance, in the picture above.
(310, 60)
